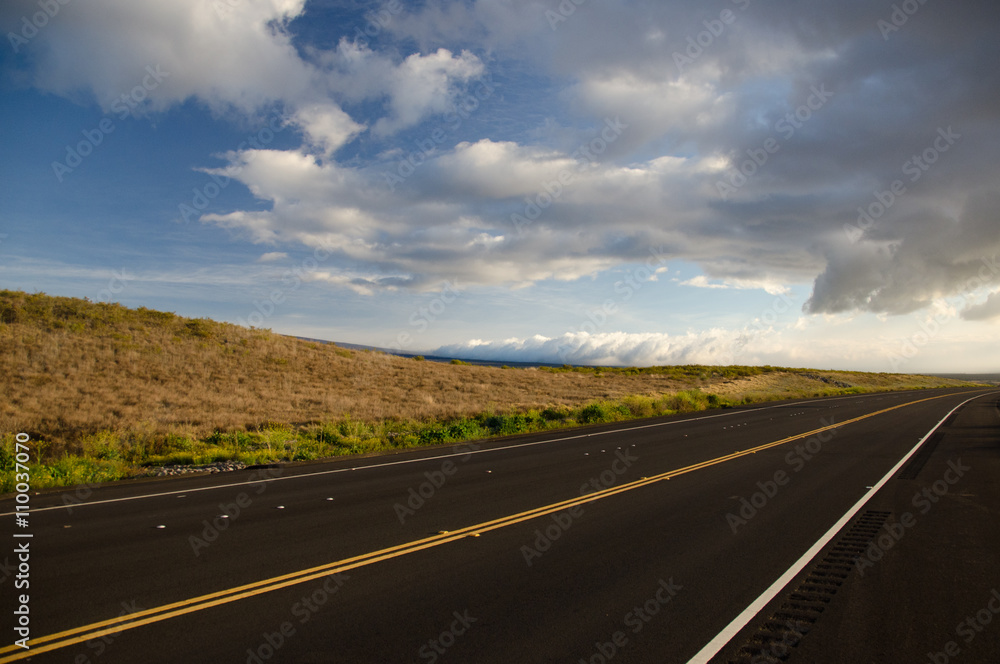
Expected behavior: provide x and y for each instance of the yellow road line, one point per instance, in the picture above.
(167, 611)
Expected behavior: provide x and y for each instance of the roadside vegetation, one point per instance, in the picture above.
(106, 392)
(113, 455)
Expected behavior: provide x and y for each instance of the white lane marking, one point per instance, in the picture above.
(713, 647)
(427, 458)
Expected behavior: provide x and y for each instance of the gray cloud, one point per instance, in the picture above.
(913, 261)
(988, 310)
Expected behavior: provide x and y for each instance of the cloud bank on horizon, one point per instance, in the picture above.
(848, 147)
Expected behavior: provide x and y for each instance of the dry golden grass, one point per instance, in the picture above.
(70, 368)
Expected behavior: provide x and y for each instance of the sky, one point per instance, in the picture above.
(614, 182)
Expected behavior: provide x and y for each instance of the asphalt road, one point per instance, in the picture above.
(640, 542)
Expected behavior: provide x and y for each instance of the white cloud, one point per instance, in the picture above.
(770, 287)
(608, 348)
(424, 85)
(239, 59)
(326, 126)
(360, 283)
(501, 169)
(656, 106)
(235, 57)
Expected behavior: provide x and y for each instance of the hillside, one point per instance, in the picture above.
(123, 387)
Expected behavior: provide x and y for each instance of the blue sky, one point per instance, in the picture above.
(614, 182)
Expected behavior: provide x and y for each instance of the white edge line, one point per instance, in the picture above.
(732, 629)
(429, 458)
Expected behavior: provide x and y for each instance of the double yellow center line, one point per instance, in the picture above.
(167, 611)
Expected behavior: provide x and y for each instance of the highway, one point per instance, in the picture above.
(811, 531)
